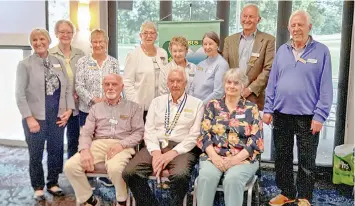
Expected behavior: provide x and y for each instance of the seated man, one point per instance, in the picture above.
(111, 131)
(171, 132)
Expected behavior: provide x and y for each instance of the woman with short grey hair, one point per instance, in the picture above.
(231, 142)
(65, 31)
(142, 69)
(44, 97)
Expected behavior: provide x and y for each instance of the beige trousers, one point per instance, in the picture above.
(76, 174)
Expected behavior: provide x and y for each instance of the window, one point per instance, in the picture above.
(268, 13)
(11, 126)
(57, 10)
(200, 10)
(129, 22)
(327, 30)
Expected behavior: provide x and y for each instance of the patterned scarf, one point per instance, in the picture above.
(52, 82)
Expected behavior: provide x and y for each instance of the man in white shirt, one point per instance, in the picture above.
(171, 131)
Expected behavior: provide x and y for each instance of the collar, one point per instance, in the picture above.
(241, 101)
(309, 42)
(178, 101)
(94, 60)
(188, 64)
(36, 55)
(119, 101)
(212, 59)
(252, 35)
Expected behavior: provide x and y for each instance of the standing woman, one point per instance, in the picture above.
(178, 47)
(45, 100)
(142, 68)
(91, 70)
(207, 83)
(64, 31)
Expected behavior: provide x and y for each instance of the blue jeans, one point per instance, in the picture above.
(234, 181)
(73, 130)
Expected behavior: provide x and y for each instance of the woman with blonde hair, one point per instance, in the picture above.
(91, 70)
(44, 97)
(178, 47)
(65, 31)
(142, 68)
(231, 142)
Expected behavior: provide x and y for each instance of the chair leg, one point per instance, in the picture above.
(194, 194)
(250, 195)
(185, 201)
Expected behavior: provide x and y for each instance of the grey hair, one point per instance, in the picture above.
(148, 25)
(236, 74)
(301, 12)
(178, 69)
(42, 31)
(99, 32)
(64, 21)
(252, 5)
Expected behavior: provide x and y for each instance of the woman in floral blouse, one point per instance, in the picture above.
(91, 70)
(231, 141)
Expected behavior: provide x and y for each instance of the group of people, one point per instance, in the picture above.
(185, 113)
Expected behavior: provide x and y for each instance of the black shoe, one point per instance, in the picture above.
(39, 197)
(57, 192)
(105, 181)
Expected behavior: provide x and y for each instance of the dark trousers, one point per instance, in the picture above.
(73, 130)
(140, 167)
(82, 118)
(285, 127)
(53, 134)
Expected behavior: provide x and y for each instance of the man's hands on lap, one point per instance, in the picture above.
(160, 161)
(113, 150)
(87, 160)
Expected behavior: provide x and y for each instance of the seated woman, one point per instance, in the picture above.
(231, 141)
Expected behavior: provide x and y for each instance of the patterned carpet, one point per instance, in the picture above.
(15, 188)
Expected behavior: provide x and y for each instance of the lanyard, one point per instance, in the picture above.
(169, 128)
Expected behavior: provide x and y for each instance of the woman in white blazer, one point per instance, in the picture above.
(142, 68)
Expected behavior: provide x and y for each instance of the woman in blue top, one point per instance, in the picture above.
(207, 83)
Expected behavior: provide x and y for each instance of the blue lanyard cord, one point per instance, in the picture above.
(169, 128)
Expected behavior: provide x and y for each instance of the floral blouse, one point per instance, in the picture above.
(89, 76)
(231, 132)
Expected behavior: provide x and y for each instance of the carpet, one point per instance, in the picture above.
(15, 187)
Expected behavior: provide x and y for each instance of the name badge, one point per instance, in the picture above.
(240, 116)
(312, 61)
(123, 116)
(113, 121)
(56, 65)
(255, 54)
(92, 67)
(209, 71)
(302, 60)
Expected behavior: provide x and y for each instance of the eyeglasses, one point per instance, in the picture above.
(145, 34)
(65, 32)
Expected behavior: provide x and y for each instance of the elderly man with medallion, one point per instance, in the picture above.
(171, 132)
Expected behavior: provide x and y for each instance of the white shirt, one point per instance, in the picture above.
(186, 130)
(139, 76)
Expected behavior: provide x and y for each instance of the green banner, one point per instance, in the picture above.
(193, 31)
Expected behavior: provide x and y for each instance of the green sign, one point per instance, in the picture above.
(193, 31)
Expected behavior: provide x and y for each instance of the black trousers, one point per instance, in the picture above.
(285, 127)
(140, 167)
(73, 130)
(51, 133)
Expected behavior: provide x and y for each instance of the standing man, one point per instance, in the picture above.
(111, 131)
(171, 131)
(252, 51)
(298, 98)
